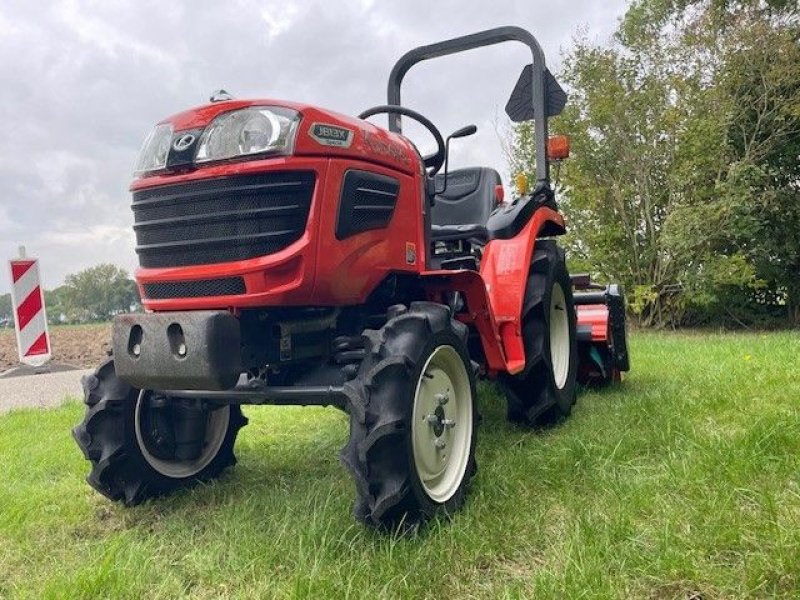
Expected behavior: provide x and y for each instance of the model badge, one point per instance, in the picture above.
(183, 142)
(331, 135)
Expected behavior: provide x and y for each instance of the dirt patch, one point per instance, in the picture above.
(80, 345)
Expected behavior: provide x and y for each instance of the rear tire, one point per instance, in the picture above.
(544, 391)
(133, 447)
(412, 419)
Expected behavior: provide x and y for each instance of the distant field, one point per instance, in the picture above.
(79, 345)
(682, 483)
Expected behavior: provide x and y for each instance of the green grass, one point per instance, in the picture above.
(686, 479)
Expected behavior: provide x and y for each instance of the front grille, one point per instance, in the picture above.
(202, 288)
(221, 220)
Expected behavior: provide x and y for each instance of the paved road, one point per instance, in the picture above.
(46, 390)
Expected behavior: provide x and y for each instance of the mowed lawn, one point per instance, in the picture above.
(684, 480)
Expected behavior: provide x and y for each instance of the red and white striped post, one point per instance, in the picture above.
(30, 318)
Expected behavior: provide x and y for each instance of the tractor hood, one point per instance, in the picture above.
(312, 131)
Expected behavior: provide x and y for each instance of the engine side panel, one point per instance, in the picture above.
(348, 270)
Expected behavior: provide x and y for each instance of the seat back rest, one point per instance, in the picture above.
(469, 197)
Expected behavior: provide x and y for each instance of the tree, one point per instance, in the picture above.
(684, 178)
(6, 312)
(749, 168)
(55, 303)
(97, 293)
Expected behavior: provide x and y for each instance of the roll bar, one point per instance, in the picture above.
(478, 40)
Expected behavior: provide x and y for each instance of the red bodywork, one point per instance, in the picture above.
(596, 317)
(320, 270)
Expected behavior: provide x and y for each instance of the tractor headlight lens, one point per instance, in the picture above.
(256, 130)
(153, 155)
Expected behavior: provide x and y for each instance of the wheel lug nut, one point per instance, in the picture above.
(442, 399)
(448, 422)
(431, 419)
(439, 443)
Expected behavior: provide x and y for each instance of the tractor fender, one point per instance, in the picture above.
(494, 296)
(504, 269)
(510, 218)
(439, 286)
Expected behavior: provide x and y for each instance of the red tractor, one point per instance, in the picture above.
(292, 255)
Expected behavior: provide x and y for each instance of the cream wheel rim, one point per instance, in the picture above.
(216, 430)
(441, 430)
(559, 336)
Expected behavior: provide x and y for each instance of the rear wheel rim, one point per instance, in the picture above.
(441, 430)
(216, 430)
(559, 336)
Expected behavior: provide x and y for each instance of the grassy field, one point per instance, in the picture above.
(685, 480)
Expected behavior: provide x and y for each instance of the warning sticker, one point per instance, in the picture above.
(411, 253)
(508, 261)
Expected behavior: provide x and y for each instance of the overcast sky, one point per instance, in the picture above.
(83, 82)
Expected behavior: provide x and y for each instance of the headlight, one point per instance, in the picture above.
(153, 155)
(256, 130)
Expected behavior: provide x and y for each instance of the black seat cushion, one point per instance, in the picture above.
(473, 231)
(469, 198)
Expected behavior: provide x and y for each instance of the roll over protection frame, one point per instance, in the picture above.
(479, 40)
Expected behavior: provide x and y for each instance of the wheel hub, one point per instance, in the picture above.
(436, 422)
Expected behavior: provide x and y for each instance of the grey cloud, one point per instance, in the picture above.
(82, 82)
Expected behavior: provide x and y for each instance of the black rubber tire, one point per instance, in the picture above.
(108, 440)
(379, 454)
(533, 396)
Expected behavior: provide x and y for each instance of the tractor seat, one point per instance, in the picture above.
(472, 231)
(462, 210)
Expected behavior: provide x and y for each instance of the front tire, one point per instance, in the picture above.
(412, 419)
(545, 390)
(140, 446)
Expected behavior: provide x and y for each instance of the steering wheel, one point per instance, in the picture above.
(433, 161)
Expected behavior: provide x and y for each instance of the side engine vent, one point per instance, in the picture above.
(201, 288)
(366, 202)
